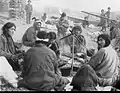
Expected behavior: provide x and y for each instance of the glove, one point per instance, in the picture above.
(17, 56)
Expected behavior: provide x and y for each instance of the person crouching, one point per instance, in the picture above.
(40, 71)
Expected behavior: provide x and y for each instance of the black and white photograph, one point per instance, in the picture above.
(59, 45)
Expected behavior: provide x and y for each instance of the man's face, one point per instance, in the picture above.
(38, 26)
(108, 9)
(101, 43)
(29, 2)
(102, 11)
(76, 31)
(11, 31)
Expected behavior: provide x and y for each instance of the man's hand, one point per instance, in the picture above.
(17, 56)
(14, 58)
(20, 55)
(90, 52)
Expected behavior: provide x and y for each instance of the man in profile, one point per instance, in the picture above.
(29, 36)
(29, 10)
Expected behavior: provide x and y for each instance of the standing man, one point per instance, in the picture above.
(44, 17)
(108, 15)
(85, 22)
(29, 10)
(62, 27)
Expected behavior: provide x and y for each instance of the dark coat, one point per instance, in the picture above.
(40, 70)
(62, 26)
(102, 21)
(85, 79)
(7, 49)
(29, 37)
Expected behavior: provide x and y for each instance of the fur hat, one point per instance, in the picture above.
(29, 0)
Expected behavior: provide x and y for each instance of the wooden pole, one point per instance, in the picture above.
(71, 71)
(99, 16)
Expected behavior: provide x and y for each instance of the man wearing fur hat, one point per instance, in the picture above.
(29, 36)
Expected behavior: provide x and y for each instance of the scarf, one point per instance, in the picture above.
(10, 44)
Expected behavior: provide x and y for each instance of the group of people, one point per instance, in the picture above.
(112, 25)
(40, 66)
(104, 23)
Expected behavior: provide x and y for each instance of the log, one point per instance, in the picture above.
(95, 15)
(113, 21)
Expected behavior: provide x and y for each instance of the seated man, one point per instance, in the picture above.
(7, 75)
(102, 68)
(29, 36)
(79, 40)
(40, 71)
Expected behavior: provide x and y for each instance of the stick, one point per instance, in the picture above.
(99, 16)
(72, 58)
